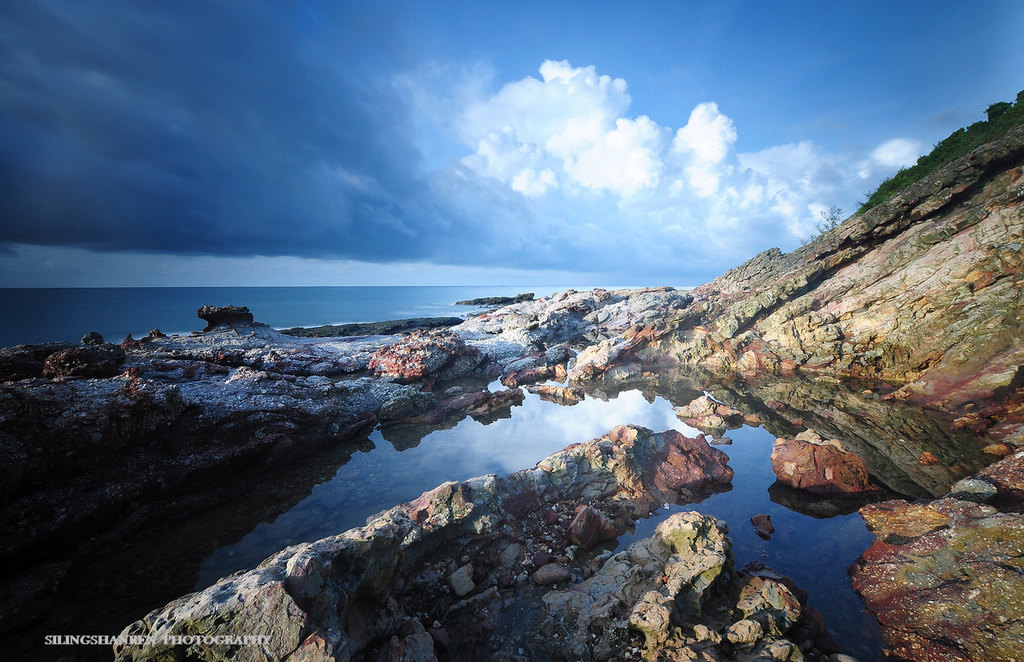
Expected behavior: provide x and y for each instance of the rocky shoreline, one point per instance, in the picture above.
(887, 358)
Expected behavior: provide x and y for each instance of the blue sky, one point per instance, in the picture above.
(559, 143)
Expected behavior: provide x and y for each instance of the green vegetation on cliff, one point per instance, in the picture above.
(1002, 117)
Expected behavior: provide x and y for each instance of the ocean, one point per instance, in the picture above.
(50, 314)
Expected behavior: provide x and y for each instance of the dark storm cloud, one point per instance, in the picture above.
(221, 128)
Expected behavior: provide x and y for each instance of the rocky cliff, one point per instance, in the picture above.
(923, 292)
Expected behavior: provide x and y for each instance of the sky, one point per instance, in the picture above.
(149, 143)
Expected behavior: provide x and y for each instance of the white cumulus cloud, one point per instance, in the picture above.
(576, 176)
(897, 153)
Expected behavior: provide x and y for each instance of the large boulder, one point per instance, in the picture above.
(425, 353)
(819, 466)
(232, 316)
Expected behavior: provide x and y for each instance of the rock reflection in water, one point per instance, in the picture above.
(155, 554)
(899, 443)
(419, 458)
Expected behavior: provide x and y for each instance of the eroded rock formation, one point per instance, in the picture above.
(454, 556)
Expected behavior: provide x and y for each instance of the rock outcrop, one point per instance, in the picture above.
(451, 556)
(231, 316)
(673, 596)
(921, 292)
(944, 579)
(386, 328)
(440, 354)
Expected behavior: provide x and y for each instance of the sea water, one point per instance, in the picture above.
(34, 315)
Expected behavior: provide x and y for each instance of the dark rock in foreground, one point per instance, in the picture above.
(387, 328)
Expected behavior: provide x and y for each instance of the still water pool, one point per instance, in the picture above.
(813, 551)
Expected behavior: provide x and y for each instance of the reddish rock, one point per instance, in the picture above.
(689, 465)
(812, 464)
(927, 459)
(763, 526)
(550, 573)
(528, 376)
(563, 395)
(420, 354)
(945, 580)
(1008, 477)
(589, 527)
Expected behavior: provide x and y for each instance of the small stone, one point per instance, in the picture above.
(973, 489)
(1000, 449)
(461, 580)
(551, 573)
(92, 338)
(744, 634)
(763, 526)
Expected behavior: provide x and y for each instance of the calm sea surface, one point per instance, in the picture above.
(43, 314)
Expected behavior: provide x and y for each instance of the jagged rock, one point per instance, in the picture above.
(26, 361)
(771, 602)
(1008, 477)
(945, 579)
(434, 353)
(590, 526)
(819, 466)
(92, 338)
(232, 316)
(745, 633)
(307, 585)
(528, 376)
(563, 395)
(95, 361)
(642, 587)
(973, 489)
